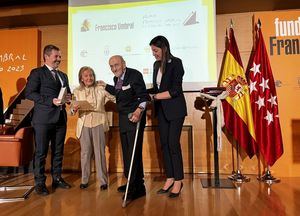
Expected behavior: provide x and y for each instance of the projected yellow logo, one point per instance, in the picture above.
(85, 26)
(128, 48)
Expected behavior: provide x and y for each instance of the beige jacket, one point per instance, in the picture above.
(99, 114)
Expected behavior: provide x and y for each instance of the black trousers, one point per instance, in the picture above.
(127, 141)
(1, 108)
(169, 132)
(45, 134)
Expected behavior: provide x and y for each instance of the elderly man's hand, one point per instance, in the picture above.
(101, 83)
(136, 115)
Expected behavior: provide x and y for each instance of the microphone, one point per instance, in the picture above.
(129, 115)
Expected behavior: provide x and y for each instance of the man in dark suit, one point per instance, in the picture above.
(131, 98)
(1, 108)
(49, 118)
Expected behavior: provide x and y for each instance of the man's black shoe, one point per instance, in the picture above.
(122, 188)
(132, 195)
(60, 182)
(41, 189)
(84, 186)
(141, 187)
(103, 187)
(140, 192)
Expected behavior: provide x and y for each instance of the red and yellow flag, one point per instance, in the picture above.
(237, 107)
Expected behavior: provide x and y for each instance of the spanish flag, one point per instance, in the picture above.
(237, 107)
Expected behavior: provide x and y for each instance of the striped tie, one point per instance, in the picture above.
(54, 74)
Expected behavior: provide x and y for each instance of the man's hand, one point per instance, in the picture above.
(56, 102)
(101, 83)
(68, 98)
(136, 115)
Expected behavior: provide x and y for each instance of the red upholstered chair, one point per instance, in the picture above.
(16, 150)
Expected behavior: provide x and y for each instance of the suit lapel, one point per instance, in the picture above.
(48, 73)
(166, 73)
(115, 81)
(156, 68)
(126, 76)
(163, 76)
(50, 76)
(61, 75)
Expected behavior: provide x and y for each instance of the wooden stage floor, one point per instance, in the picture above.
(252, 198)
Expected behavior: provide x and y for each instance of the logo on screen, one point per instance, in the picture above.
(191, 19)
(83, 53)
(85, 26)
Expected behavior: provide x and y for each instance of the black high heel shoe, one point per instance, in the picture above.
(173, 195)
(162, 191)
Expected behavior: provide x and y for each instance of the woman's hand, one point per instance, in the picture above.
(152, 96)
(74, 107)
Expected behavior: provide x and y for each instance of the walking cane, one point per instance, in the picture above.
(131, 162)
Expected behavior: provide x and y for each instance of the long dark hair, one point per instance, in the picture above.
(163, 43)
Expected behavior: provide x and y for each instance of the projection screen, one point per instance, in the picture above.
(100, 29)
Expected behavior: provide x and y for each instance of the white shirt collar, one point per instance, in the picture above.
(50, 68)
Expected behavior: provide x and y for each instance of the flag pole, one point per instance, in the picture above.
(237, 175)
(268, 178)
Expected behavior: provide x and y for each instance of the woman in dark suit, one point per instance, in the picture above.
(170, 107)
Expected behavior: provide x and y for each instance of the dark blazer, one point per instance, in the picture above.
(133, 93)
(1, 108)
(171, 81)
(42, 88)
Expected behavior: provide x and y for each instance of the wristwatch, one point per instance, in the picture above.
(142, 108)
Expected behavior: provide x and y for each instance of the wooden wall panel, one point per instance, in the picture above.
(56, 35)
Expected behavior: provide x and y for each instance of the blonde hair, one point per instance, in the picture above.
(82, 69)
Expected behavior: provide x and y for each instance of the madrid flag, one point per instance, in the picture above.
(237, 108)
(264, 103)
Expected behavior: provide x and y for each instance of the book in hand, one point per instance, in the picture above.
(62, 96)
